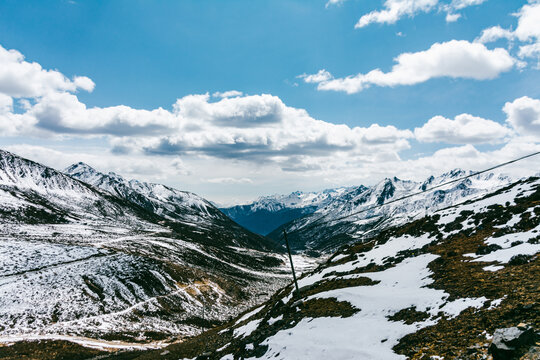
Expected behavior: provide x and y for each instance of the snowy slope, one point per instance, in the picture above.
(268, 212)
(326, 229)
(160, 199)
(434, 288)
(77, 260)
(31, 192)
(183, 210)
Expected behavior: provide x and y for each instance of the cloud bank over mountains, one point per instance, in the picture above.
(259, 129)
(232, 138)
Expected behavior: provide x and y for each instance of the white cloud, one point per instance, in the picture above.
(257, 128)
(261, 128)
(527, 31)
(452, 17)
(202, 140)
(528, 20)
(334, 2)
(6, 104)
(20, 78)
(523, 114)
(454, 59)
(493, 34)
(530, 51)
(462, 4)
(227, 94)
(395, 10)
(320, 76)
(464, 129)
(64, 113)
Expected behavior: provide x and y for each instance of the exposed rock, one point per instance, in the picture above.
(486, 249)
(519, 259)
(508, 343)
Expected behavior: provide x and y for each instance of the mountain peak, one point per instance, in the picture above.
(79, 167)
(457, 172)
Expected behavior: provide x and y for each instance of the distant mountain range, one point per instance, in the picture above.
(316, 220)
(456, 283)
(93, 258)
(91, 254)
(269, 212)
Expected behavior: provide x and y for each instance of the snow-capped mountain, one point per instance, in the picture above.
(33, 193)
(460, 283)
(268, 212)
(123, 261)
(181, 208)
(160, 199)
(329, 227)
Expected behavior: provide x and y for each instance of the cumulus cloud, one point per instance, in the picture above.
(494, 33)
(320, 76)
(527, 31)
(217, 137)
(394, 10)
(452, 17)
(262, 128)
(522, 118)
(6, 104)
(334, 2)
(523, 114)
(527, 28)
(229, 125)
(463, 129)
(227, 94)
(20, 78)
(454, 59)
(530, 51)
(528, 20)
(64, 113)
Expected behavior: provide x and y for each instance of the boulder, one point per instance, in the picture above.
(508, 343)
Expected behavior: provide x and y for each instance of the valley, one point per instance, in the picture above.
(93, 265)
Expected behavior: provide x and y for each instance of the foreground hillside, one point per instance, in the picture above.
(443, 286)
(91, 265)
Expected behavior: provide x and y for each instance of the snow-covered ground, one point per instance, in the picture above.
(368, 334)
(124, 261)
(402, 281)
(362, 204)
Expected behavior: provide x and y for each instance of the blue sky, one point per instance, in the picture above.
(147, 54)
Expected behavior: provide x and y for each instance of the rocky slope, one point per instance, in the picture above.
(184, 209)
(459, 283)
(330, 227)
(129, 261)
(269, 212)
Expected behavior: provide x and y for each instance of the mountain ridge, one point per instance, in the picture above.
(268, 212)
(77, 260)
(445, 285)
(368, 203)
